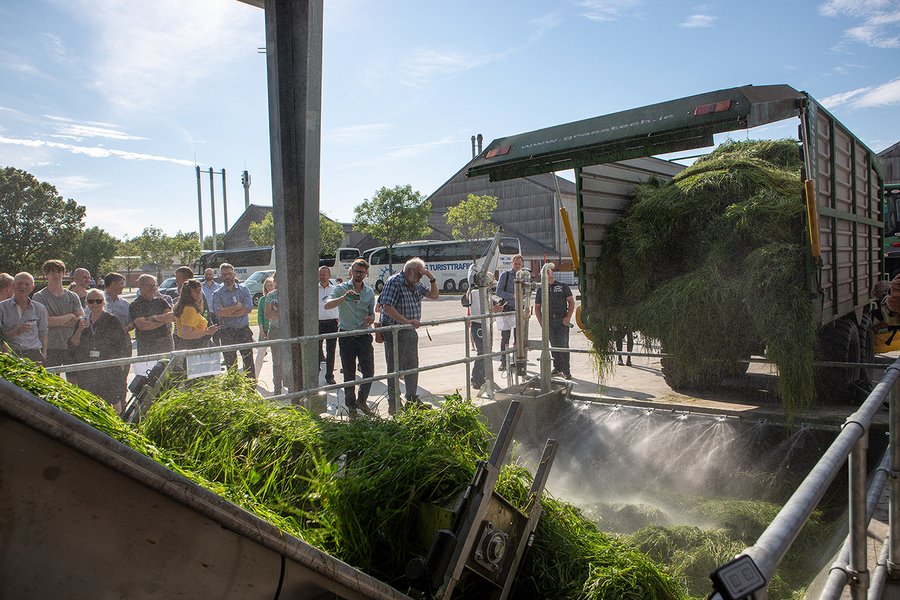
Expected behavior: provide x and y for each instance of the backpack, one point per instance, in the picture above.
(466, 299)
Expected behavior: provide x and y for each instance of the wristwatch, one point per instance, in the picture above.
(431, 279)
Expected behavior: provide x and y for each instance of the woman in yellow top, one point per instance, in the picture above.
(192, 327)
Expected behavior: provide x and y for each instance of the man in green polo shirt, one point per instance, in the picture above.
(355, 302)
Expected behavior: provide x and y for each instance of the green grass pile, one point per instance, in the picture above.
(100, 415)
(572, 559)
(692, 553)
(713, 265)
(354, 489)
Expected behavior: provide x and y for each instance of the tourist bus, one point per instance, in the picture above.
(246, 261)
(448, 261)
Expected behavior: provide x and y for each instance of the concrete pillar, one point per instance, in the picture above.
(294, 59)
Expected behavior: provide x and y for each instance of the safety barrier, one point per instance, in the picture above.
(750, 573)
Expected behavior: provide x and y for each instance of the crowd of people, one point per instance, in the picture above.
(59, 326)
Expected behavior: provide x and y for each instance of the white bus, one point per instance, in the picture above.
(247, 261)
(448, 261)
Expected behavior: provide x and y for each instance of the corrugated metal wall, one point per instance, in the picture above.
(526, 207)
(605, 193)
(848, 200)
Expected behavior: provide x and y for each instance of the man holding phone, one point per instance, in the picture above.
(24, 322)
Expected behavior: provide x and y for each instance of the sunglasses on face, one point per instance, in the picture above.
(95, 300)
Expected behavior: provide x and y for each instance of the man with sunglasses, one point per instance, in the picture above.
(355, 303)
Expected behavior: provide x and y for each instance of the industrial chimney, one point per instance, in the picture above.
(473, 147)
(480, 138)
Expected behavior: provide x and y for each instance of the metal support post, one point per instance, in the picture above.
(200, 208)
(545, 330)
(523, 316)
(468, 336)
(224, 201)
(395, 342)
(212, 207)
(858, 567)
(487, 345)
(893, 561)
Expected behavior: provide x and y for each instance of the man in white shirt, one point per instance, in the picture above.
(23, 321)
(328, 322)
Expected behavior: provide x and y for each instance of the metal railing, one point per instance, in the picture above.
(310, 344)
(849, 446)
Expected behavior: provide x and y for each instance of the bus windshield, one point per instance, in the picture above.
(244, 260)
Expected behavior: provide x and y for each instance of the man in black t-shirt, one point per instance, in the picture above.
(561, 307)
(153, 326)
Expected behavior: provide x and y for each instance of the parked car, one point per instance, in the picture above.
(255, 283)
(168, 288)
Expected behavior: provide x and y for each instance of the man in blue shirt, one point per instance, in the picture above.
(24, 322)
(231, 304)
(355, 303)
(401, 304)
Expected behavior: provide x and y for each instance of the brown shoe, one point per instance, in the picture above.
(364, 409)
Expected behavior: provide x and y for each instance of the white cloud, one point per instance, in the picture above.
(697, 21)
(607, 10)
(426, 64)
(880, 20)
(886, 94)
(73, 184)
(545, 23)
(94, 151)
(405, 152)
(149, 54)
(358, 133)
(74, 130)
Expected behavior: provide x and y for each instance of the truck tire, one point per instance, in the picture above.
(867, 347)
(679, 379)
(838, 342)
(449, 286)
(379, 285)
(463, 285)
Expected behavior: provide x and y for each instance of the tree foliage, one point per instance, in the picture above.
(208, 241)
(471, 218)
(331, 233)
(92, 248)
(155, 248)
(38, 223)
(186, 246)
(393, 215)
(262, 233)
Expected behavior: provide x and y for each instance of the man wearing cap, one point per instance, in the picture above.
(561, 307)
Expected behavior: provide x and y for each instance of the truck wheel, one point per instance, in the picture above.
(681, 380)
(256, 298)
(867, 346)
(379, 285)
(838, 342)
(463, 285)
(449, 286)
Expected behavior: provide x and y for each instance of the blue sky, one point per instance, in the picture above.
(115, 101)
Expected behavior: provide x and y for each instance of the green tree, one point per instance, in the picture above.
(331, 235)
(471, 218)
(208, 241)
(262, 233)
(155, 248)
(38, 224)
(126, 259)
(393, 215)
(93, 247)
(187, 247)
